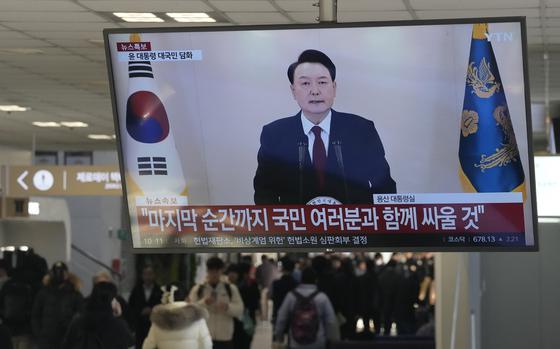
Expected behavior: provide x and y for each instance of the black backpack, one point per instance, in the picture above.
(304, 321)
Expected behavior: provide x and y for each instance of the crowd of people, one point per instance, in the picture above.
(313, 300)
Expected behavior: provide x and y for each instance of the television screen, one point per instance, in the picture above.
(386, 136)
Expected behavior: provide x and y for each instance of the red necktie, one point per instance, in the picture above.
(319, 157)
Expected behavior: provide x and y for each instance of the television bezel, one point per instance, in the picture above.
(401, 23)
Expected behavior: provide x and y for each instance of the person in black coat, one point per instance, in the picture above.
(100, 325)
(369, 296)
(319, 152)
(144, 296)
(281, 287)
(389, 280)
(55, 306)
(5, 340)
(346, 294)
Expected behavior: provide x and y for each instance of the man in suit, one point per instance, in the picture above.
(319, 155)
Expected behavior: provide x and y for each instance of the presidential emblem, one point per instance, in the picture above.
(469, 122)
(482, 80)
(324, 200)
(508, 152)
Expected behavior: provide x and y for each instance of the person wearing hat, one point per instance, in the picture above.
(55, 306)
(319, 155)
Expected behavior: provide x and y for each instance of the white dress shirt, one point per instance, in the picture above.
(325, 126)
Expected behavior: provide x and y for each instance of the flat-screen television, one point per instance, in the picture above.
(410, 135)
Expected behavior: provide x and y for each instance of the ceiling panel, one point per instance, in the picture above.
(471, 4)
(243, 6)
(258, 18)
(73, 43)
(46, 6)
(368, 5)
(52, 26)
(534, 31)
(553, 31)
(27, 43)
(477, 13)
(552, 22)
(364, 16)
(533, 22)
(12, 35)
(553, 12)
(68, 81)
(77, 34)
(42, 16)
(304, 17)
(534, 40)
(146, 6)
(298, 5)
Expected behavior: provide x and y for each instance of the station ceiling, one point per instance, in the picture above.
(52, 58)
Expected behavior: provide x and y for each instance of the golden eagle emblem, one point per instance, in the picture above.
(469, 122)
(508, 152)
(482, 80)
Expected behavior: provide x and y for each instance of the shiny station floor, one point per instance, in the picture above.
(263, 336)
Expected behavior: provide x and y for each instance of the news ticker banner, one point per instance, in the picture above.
(25, 181)
(462, 219)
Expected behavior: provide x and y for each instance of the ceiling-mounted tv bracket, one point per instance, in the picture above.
(327, 11)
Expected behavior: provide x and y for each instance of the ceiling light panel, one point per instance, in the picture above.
(191, 17)
(12, 107)
(147, 5)
(46, 124)
(100, 137)
(138, 17)
(74, 124)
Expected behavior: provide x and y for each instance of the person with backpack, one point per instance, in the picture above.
(99, 326)
(223, 302)
(307, 315)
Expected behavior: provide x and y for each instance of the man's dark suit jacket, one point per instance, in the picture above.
(285, 174)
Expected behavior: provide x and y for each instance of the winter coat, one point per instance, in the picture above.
(220, 323)
(139, 322)
(53, 310)
(98, 326)
(178, 325)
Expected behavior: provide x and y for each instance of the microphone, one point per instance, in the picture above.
(302, 150)
(337, 146)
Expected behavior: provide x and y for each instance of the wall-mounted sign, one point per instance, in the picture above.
(24, 181)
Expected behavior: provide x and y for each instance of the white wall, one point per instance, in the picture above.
(48, 233)
(95, 221)
(48, 239)
(520, 303)
(513, 296)
(14, 156)
(452, 270)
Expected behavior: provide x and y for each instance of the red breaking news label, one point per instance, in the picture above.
(133, 46)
